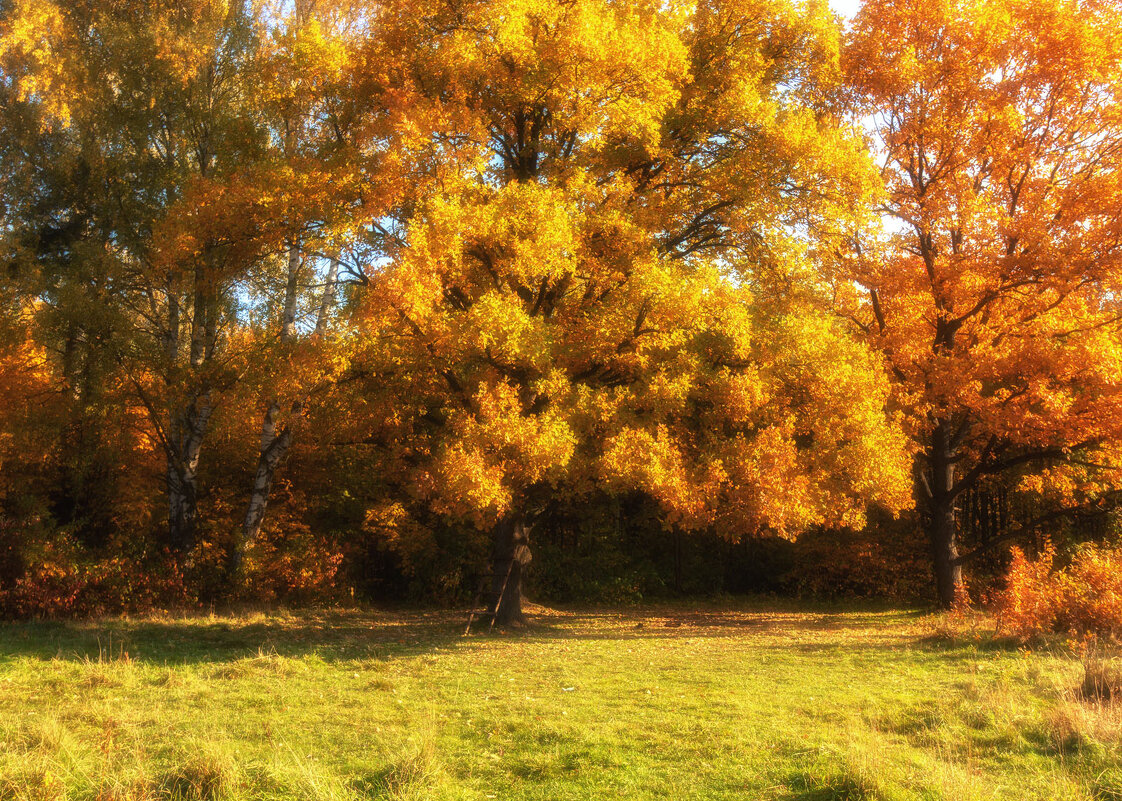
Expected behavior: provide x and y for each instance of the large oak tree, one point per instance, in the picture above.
(606, 284)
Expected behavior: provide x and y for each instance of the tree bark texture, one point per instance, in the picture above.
(510, 556)
(185, 444)
(275, 442)
(937, 494)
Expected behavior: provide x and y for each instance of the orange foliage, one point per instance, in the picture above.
(576, 249)
(290, 562)
(992, 286)
(60, 581)
(1084, 598)
(585, 301)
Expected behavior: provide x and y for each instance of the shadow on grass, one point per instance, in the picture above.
(804, 787)
(339, 635)
(980, 642)
(333, 636)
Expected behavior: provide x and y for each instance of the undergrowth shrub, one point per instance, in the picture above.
(293, 564)
(886, 561)
(1102, 677)
(62, 580)
(1084, 598)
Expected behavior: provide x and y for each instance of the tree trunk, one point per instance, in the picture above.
(182, 506)
(274, 446)
(510, 555)
(327, 302)
(291, 290)
(944, 553)
(182, 473)
(938, 493)
(189, 426)
(67, 506)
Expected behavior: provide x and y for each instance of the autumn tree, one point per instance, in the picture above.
(994, 290)
(301, 62)
(606, 281)
(140, 109)
(179, 195)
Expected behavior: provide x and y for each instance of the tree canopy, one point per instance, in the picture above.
(471, 265)
(994, 291)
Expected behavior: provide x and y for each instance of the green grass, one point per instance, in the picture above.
(716, 703)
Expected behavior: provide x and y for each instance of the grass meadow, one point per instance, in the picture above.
(752, 701)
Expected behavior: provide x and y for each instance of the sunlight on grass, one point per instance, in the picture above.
(712, 703)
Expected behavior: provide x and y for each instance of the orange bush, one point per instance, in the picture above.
(1084, 598)
(67, 587)
(291, 563)
(1092, 587)
(1029, 603)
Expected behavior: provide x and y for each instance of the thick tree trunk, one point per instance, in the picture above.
(944, 553)
(182, 506)
(510, 555)
(182, 473)
(189, 425)
(937, 492)
(274, 446)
